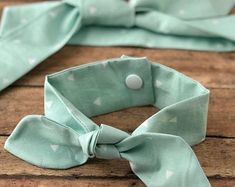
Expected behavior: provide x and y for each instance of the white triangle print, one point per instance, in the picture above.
(174, 120)
(52, 14)
(54, 147)
(104, 64)
(158, 83)
(5, 81)
(97, 101)
(169, 174)
(71, 77)
(32, 61)
(49, 104)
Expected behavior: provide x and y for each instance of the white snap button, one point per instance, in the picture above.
(134, 81)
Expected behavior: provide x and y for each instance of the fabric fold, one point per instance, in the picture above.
(180, 168)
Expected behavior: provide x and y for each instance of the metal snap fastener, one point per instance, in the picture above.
(134, 81)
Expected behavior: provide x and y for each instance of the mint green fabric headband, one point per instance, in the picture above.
(158, 150)
(31, 33)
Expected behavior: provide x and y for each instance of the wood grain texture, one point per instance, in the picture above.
(98, 182)
(20, 101)
(216, 155)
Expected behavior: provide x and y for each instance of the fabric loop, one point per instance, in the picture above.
(114, 13)
(88, 142)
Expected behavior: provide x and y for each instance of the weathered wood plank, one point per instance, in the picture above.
(215, 155)
(221, 115)
(71, 182)
(98, 182)
(5, 3)
(222, 182)
(214, 70)
(17, 102)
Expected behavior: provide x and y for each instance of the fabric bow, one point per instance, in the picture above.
(31, 33)
(65, 137)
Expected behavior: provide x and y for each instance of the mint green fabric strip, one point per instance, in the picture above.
(65, 136)
(31, 33)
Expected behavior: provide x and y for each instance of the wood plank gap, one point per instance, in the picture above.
(25, 86)
(91, 177)
(66, 177)
(219, 137)
(42, 86)
(93, 182)
(4, 135)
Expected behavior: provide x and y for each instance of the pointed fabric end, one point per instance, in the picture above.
(45, 143)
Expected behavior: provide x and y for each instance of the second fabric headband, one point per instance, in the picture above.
(31, 33)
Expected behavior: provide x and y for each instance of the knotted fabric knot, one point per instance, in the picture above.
(105, 12)
(101, 142)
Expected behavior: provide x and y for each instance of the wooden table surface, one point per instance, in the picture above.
(216, 154)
